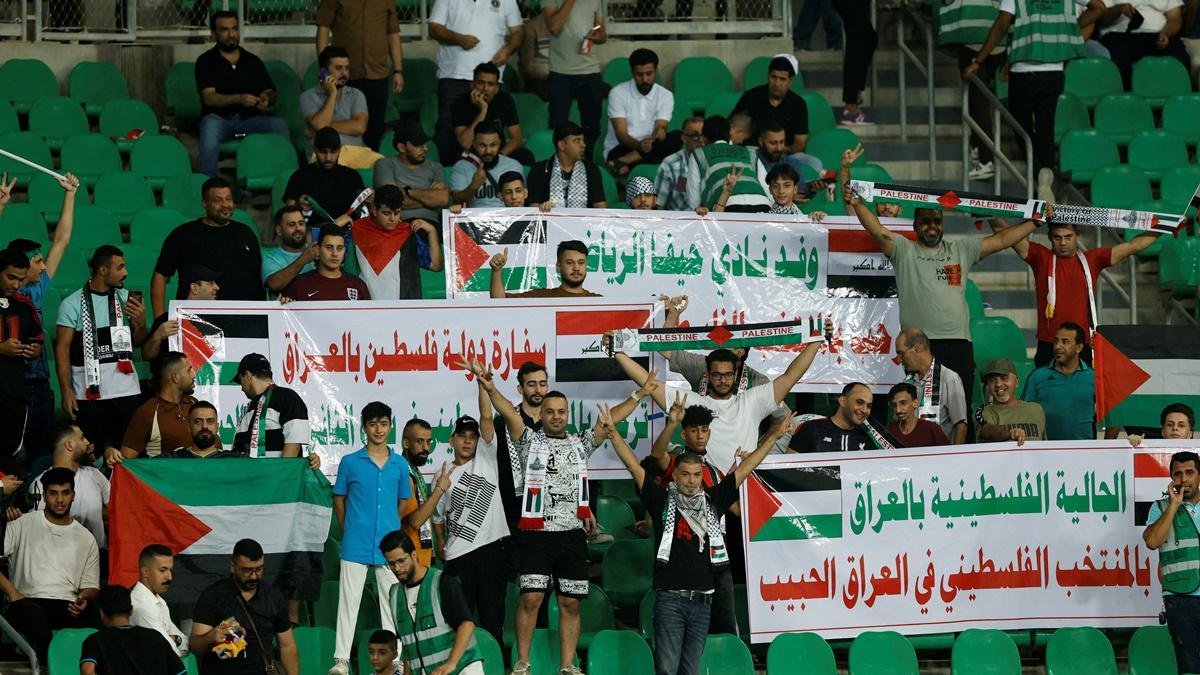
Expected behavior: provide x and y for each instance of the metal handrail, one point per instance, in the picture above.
(971, 129)
(1175, 307)
(905, 55)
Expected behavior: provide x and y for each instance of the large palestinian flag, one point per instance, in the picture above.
(794, 503)
(200, 508)
(475, 245)
(1142, 369)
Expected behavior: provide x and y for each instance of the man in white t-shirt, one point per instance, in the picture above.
(1139, 28)
(470, 519)
(155, 565)
(71, 450)
(639, 110)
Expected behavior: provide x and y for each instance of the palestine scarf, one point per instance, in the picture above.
(790, 210)
(1052, 287)
(533, 504)
(719, 337)
(872, 428)
(574, 192)
(421, 492)
(703, 520)
(91, 339)
(258, 424)
(930, 388)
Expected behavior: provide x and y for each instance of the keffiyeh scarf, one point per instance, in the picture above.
(703, 520)
(92, 349)
(573, 191)
(639, 185)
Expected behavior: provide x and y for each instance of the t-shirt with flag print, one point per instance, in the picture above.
(390, 261)
(287, 422)
(689, 568)
(561, 508)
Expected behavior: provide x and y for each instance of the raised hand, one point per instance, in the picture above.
(499, 260)
(675, 414)
(851, 156)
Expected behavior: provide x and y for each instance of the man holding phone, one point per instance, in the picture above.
(20, 341)
(1174, 532)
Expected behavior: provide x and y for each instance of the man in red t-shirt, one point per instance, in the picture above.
(909, 430)
(328, 281)
(1063, 291)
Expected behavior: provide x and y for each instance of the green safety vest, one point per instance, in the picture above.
(1179, 555)
(1045, 31)
(429, 640)
(964, 22)
(715, 162)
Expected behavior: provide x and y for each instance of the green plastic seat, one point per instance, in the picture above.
(1181, 114)
(9, 122)
(287, 95)
(261, 157)
(788, 650)
(615, 517)
(722, 104)
(619, 652)
(646, 617)
(726, 655)
(29, 146)
(90, 156)
(94, 227)
(25, 221)
(123, 115)
(1178, 185)
(1071, 113)
(182, 193)
(420, 86)
(94, 83)
(47, 197)
(595, 614)
(698, 79)
(626, 573)
(123, 194)
(974, 301)
(246, 218)
(984, 652)
(996, 337)
(65, 647)
(72, 273)
(1151, 652)
(316, 649)
(872, 172)
(1174, 264)
(541, 144)
(25, 81)
(1123, 115)
(543, 652)
(150, 226)
(182, 97)
(755, 74)
(828, 146)
(616, 71)
(611, 196)
(1091, 78)
(1156, 151)
(533, 112)
(882, 653)
(649, 171)
(1083, 151)
(1080, 651)
(157, 158)
(820, 113)
(55, 118)
(489, 650)
(1157, 78)
(140, 261)
(1120, 187)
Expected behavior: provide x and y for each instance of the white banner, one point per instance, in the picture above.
(934, 540)
(735, 269)
(340, 356)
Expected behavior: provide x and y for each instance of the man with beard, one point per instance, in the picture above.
(216, 242)
(474, 179)
(1006, 417)
(486, 103)
(295, 254)
(156, 564)
(329, 281)
(572, 271)
(1177, 422)
(841, 432)
(940, 397)
(332, 103)
(1172, 531)
(772, 151)
(639, 110)
(373, 485)
(567, 179)
(931, 280)
(236, 92)
(671, 180)
(775, 104)
(324, 188)
(54, 567)
(909, 430)
(98, 327)
(240, 606)
(21, 339)
(202, 285)
(1066, 390)
(431, 614)
(161, 424)
(72, 451)
(392, 251)
(417, 510)
(205, 429)
(421, 180)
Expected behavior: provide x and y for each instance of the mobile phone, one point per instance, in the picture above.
(1135, 21)
(322, 74)
(136, 295)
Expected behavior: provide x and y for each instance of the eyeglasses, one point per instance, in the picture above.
(721, 376)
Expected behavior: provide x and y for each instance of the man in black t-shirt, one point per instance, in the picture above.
(776, 101)
(239, 608)
(486, 103)
(236, 92)
(20, 341)
(324, 183)
(122, 648)
(215, 241)
(843, 431)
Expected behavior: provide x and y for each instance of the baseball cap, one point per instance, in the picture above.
(409, 131)
(251, 363)
(193, 273)
(327, 139)
(466, 423)
(567, 129)
(998, 367)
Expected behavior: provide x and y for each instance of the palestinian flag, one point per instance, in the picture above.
(477, 239)
(577, 353)
(1142, 369)
(1151, 473)
(794, 503)
(716, 337)
(857, 268)
(214, 343)
(200, 508)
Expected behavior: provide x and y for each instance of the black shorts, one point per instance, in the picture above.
(561, 555)
(13, 414)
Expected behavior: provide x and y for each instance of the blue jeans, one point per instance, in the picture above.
(806, 24)
(588, 90)
(1183, 622)
(680, 629)
(215, 130)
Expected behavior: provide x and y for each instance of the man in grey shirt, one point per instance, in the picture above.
(334, 104)
(425, 193)
(574, 68)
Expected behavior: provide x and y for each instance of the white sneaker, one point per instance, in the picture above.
(1045, 185)
(981, 170)
(340, 667)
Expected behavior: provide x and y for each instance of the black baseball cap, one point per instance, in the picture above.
(567, 129)
(466, 423)
(409, 131)
(327, 138)
(194, 273)
(251, 363)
